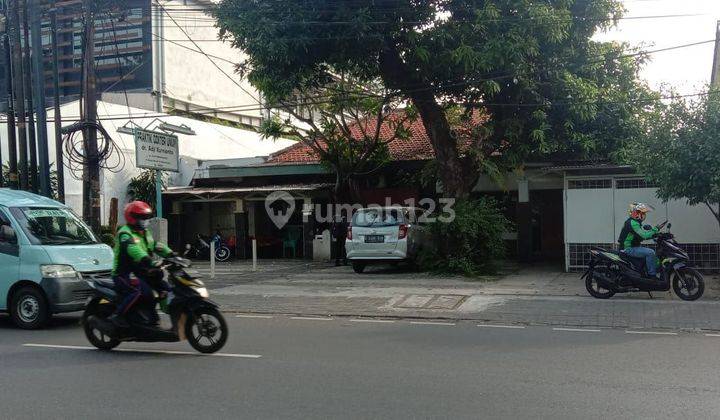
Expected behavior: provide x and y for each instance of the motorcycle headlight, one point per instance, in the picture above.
(203, 292)
(54, 271)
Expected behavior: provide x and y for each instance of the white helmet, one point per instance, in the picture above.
(636, 208)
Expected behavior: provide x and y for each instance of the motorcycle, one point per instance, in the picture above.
(201, 249)
(193, 316)
(611, 272)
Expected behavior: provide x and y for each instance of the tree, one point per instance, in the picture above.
(680, 151)
(530, 65)
(53, 179)
(142, 187)
(349, 130)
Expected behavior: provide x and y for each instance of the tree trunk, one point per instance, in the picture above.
(456, 180)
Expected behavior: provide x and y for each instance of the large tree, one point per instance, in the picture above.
(680, 151)
(530, 65)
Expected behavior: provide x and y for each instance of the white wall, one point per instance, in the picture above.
(589, 216)
(203, 85)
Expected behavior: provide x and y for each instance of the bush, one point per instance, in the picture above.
(471, 243)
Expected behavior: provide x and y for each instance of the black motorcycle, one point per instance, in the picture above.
(612, 272)
(193, 316)
(200, 250)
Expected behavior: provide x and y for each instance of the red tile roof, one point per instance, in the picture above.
(415, 147)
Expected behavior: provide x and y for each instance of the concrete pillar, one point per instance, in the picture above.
(308, 228)
(241, 231)
(524, 222)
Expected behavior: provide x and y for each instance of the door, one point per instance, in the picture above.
(9, 257)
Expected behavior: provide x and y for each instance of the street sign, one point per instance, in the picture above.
(154, 150)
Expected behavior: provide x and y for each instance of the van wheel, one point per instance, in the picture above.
(29, 308)
(358, 267)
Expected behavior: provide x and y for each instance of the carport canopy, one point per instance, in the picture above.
(213, 193)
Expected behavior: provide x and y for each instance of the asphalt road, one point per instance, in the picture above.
(282, 367)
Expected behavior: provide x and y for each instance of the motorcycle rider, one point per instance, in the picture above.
(634, 233)
(134, 251)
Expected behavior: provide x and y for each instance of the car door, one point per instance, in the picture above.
(9, 257)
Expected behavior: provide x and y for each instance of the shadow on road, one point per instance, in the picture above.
(57, 322)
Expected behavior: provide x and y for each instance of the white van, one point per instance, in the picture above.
(385, 234)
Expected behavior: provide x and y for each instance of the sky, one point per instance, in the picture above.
(687, 69)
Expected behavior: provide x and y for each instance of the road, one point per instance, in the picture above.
(296, 368)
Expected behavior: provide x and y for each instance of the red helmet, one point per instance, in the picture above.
(136, 211)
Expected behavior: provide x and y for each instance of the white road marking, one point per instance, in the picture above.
(712, 335)
(254, 316)
(651, 332)
(310, 318)
(432, 323)
(576, 329)
(514, 327)
(378, 321)
(184, 353)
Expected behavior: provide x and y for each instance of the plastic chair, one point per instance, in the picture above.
(291, 239)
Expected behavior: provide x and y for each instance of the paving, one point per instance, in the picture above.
(540, 295)
(298, 368)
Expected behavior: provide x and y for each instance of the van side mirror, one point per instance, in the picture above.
(7, 234)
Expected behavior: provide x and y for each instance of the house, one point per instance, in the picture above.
(559, 208)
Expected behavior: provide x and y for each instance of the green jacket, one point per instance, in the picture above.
(633, 234)
(135, 249)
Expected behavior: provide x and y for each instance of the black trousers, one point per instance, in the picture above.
(340, 249)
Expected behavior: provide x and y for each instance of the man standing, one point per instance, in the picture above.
(339, 232)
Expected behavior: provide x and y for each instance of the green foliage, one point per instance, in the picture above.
(53, 178)
(532, 66)
(107, 236)
(680, 151)
(142, 187)
(472, 242)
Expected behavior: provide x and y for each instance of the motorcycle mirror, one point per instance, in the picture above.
(669, 225)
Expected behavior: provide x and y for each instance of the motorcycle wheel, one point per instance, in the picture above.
(594, 288)
(222, 254)
(206, 330)
(96, 337)
(688, 284)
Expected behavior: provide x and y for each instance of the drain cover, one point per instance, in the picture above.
(447, 302)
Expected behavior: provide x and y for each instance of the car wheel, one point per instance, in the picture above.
(358, 267)
(29, 309)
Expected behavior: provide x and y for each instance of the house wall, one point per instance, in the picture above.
(596, 208)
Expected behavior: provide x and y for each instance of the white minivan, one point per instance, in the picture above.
(385, 234)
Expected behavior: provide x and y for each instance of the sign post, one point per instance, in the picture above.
(158, 151)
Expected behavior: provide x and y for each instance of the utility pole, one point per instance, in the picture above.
(12, 148)
(91, 172)
(19, 101)
(32, 171)
(39, 78)
(59, 160)
(715, 78)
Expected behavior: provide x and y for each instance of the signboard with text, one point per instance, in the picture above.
(155, 150)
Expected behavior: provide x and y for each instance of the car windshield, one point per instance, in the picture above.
(53, 226)
(377, 217)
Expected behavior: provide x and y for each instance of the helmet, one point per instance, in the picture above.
(137, 211)
(638, 209)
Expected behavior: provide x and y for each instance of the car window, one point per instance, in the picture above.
(378, 217)
(53, 226)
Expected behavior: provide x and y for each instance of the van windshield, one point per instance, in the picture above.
(378, 217)
(53, 226)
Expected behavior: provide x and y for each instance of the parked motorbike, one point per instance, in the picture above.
(612, 272)
(200, 250)
(193, 316)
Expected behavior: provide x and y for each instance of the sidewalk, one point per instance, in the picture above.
(539, 295)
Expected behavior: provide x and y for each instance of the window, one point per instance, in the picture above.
(633, 183)
(589, 184)
(378, 217)
(53, 226)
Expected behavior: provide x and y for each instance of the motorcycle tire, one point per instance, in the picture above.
(685, 291)
(594, 288)
(198, 327)
(223, 254)
(96, 337)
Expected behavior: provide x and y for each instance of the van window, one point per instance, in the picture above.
(378, 217)
(53, 226)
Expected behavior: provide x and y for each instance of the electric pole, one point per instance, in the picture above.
(27, 75)
(91, 172)
(59, 160)
(39, 79)
(17, 72)
(12, 148)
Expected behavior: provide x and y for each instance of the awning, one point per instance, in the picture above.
(208, 191)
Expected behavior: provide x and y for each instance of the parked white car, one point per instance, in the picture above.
(385, 234)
